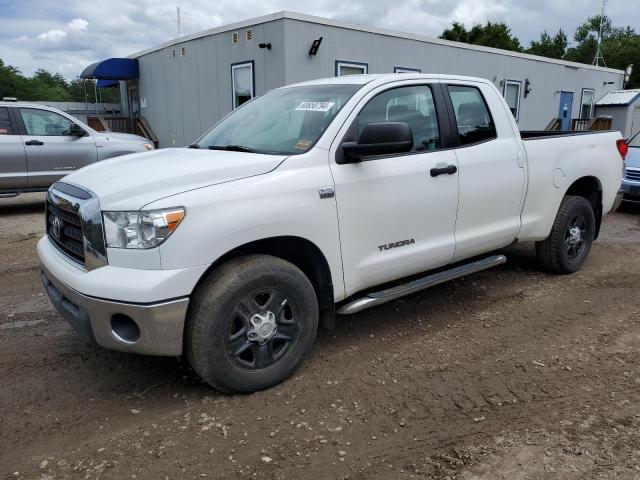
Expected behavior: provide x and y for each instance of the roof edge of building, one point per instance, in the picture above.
(303, 17)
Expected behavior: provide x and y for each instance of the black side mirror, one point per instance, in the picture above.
(384, 138)
(76, 130)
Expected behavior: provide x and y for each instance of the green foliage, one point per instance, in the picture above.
(50, 87)
(496, 35)
(620, 46)
(548, 46)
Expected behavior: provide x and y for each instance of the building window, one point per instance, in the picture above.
(242, 83)
(511, 94)
(234, 38)
(586, 104)
(248, 34)
(350, 68)
(183, 51)
(406, 70)
(472, 115)
(173, 53)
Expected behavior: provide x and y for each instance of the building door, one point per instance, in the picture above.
(566, 107)
(134, 101)
(635, 121)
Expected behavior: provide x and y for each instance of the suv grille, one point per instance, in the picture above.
(64, 228)
(632, 174)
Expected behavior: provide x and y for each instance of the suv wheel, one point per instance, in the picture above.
(250, 323)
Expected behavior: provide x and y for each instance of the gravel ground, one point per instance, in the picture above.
(508, 374)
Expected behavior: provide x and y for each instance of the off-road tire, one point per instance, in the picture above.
(552, 253)
(214, 309)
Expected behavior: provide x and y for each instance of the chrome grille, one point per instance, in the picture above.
(64, 228)
(632, 174)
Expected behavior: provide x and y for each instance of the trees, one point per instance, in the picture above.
(496, 35)
(47, 86)
(620, 46)
(548, 46)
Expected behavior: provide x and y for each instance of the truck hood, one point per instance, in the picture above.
(131, 181)
(123, 137)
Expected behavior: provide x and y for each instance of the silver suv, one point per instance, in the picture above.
(39, 145)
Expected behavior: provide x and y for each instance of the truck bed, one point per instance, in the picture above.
(536, 134)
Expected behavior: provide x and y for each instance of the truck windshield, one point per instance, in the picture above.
(286, 121)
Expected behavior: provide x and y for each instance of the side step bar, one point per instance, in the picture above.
(384, 296)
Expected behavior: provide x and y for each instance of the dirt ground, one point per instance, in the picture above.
(508, 374)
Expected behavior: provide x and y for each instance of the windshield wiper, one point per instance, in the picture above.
(193, 145)
(232, 148)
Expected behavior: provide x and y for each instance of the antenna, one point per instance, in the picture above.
(598, 57)
(179, 23)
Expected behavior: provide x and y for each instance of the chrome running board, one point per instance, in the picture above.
(384, 296)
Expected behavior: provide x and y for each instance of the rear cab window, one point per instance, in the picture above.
(6, 128)
(472, 114)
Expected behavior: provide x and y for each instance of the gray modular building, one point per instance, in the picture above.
(623, 106)
(187, 84)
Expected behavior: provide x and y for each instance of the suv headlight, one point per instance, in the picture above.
(141, 229)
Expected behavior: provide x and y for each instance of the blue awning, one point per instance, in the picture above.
(112, 69)
(107, 83)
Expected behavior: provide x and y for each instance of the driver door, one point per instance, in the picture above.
(52, 152)
(395, 217)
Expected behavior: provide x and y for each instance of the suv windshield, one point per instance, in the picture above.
(285, 121)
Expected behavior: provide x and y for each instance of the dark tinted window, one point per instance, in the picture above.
(5, 122)
(412, 105)
(472, 115)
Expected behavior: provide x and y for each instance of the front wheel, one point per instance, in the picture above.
(566, 248)
(250, 324)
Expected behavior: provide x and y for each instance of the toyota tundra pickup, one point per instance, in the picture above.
(324, 197)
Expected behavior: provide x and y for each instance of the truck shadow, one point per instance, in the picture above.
(23, 204)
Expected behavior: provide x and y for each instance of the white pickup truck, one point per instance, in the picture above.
(327, 196)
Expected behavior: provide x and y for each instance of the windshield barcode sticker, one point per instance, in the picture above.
(315, 106)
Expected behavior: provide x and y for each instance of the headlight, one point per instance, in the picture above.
(143, 229)
(148, 146)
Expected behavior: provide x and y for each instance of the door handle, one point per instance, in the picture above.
(448, 170)
(34, 142)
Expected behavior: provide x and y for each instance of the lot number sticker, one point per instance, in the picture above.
(315, 106)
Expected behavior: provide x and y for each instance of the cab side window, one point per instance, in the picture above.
(45, 123)
(412, 105)
(472, 115)
(5, 122)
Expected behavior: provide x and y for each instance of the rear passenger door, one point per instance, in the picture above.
(52, 152)
(491, 171)
(396, 215)
(13, 161)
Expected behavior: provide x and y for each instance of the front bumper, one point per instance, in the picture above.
(151, 329)
(630, 190)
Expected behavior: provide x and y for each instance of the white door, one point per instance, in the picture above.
(490, 173)
(395, 218)
(635, 121)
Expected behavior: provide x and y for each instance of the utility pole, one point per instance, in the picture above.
(599, 57)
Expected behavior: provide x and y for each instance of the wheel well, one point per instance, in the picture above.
(303, 254)
(590, 189)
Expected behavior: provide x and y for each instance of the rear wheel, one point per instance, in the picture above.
(251, 322)
(566, 248)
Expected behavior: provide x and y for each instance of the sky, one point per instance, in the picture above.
(65, 36)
